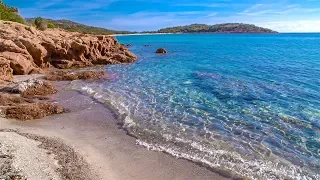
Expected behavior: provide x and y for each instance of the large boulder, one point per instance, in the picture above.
(36, 50)
(121, 58)
(19, 63)
(8, 45)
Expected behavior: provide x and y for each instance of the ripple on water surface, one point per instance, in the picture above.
(246, 104)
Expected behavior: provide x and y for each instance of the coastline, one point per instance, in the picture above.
(142, 34)
(146, 34)
(91, 129)
(90, 133)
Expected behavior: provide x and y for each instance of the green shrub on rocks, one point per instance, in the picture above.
(8, 13)
(51, 25)
(40, 23)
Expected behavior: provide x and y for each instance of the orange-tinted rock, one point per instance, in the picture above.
(122, 58)
(11, 100)
(28, 49)
(103, 60)
(62, 63)
(36, 50)
(92, 75)
(71, 76)
(45, 89)
(130, 54)
(19, 63)
(32, 111)
(8, 45)
(5, 70)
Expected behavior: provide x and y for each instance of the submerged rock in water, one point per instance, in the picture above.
(209, 75)
(71, 76)
(25, 50)
(161, 51)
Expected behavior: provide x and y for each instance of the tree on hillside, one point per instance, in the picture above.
(217, 28)
(40, 23)
(8, 13)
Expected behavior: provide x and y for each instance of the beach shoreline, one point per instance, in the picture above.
(92, 130)
(142, 34)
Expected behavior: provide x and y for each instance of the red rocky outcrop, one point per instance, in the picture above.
(25, 50)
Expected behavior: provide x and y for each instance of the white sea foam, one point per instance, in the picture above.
(88, 90)
(243, 168)
(217, 159)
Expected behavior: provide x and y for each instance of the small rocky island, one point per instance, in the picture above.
(217, 28)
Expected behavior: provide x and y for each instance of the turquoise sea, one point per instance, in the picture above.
(247, 105)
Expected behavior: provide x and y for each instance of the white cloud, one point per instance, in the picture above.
(212, 14)
(276, 9)
(293, 26)
(281, 15)
(204, 4)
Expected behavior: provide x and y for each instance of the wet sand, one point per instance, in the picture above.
(93, 132)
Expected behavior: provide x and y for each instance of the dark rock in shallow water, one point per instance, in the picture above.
(161, 51)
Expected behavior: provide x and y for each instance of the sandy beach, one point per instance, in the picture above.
(100, 148)
(94, 90)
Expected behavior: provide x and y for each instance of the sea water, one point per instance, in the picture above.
(247, 105)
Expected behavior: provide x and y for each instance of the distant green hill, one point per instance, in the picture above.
(77, 27)
(8, 13)
(218, 28)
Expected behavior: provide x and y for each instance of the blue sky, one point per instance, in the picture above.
(138, 15)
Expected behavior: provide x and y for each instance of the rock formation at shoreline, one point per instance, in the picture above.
(25, 50)
(27, 105)
(32, 111)
(71, 76)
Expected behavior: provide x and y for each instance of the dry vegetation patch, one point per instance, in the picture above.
(12, 100)
(32, 111)
(26, 105)
(46, 89)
